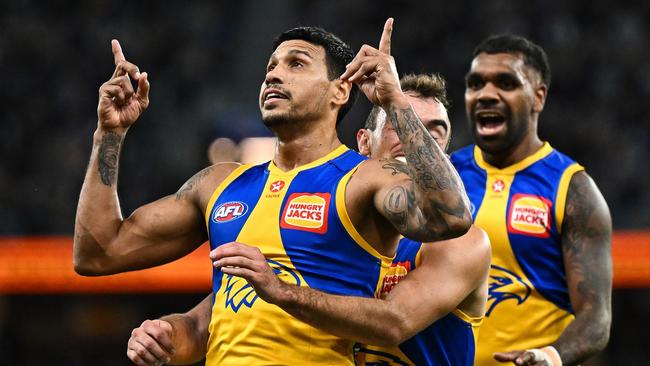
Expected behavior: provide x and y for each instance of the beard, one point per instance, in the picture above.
(516, 130)
(280, 119)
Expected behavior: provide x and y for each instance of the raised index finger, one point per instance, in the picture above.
(117, 51)
(384, 42)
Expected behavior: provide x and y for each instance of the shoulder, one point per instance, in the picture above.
(585, 205)
(462, 156)
(201, 184)
(377, 171)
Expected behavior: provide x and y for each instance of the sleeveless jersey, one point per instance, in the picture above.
(450, 341)
(521, 208)
(299, 221)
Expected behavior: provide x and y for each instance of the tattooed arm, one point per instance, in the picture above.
(105, 242)
(586, 245)
(427, 202)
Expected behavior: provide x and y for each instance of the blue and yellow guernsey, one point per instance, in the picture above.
(299, 221)
(450, 341)
(521, 208)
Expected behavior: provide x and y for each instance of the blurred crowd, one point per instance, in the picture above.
(206, 61)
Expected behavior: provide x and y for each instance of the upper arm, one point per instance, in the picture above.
(155, 233)
(398, 200)
(586, 246)
(449, 272)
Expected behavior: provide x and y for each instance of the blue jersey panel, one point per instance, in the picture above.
(232, 209)
(544, 267)
(332, 262)
(473, 177)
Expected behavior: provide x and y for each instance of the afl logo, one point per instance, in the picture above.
(229, 211)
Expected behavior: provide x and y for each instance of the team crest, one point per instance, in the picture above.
(229, 211)
(240, 293)
(306, 211)
(505, 285)
(530, 215)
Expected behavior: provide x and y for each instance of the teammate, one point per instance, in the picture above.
(449, 288)
(549, 226)
(315, 211)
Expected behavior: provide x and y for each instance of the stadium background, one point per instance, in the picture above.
(206, 61)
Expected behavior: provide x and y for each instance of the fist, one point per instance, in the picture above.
(151, 343)
(119, 104)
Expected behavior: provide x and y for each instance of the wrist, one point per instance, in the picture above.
(553, 354)
(100, 132)
(397, 102)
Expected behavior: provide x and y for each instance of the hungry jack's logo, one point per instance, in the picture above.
(530, 215)
(307, 212)
(396, 273)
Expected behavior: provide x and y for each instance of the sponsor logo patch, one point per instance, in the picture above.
(498, 186)
(396, 273)
(276, 186)
(530, 215)
(229, 211)
(306, 211)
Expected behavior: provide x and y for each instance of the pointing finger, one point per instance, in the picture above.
(117, 51)
(384, 42)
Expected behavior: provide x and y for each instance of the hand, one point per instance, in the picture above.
(119, 106)
(249, 263)
(151, 343)
(546, 356)
(374, 71)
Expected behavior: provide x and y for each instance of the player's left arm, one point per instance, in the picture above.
(586, 247)
(425, 199)
(449, 272)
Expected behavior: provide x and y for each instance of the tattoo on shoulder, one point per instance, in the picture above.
(109, 154)
(184, 191)
(396, 166)
(581, 232)
(396, 206)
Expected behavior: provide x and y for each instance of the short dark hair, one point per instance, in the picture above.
(337, 55)
(426, 85)
(533, 55)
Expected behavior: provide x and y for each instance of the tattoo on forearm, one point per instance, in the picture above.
(585, 244)
(430, 171)
(109, 154)
(191, 183)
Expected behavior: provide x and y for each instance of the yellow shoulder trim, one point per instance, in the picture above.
(475, 321)
(342, 211)
(562, 190)
(514, 168)
(217, 191)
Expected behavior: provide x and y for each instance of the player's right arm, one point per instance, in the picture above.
(177, 339)
(104, 241)
(451, 272)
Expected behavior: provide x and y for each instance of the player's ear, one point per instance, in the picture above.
(341, 92)
(540, 97)
(363, 141)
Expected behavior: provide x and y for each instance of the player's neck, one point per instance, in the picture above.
(527, 147)
(297, 149)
